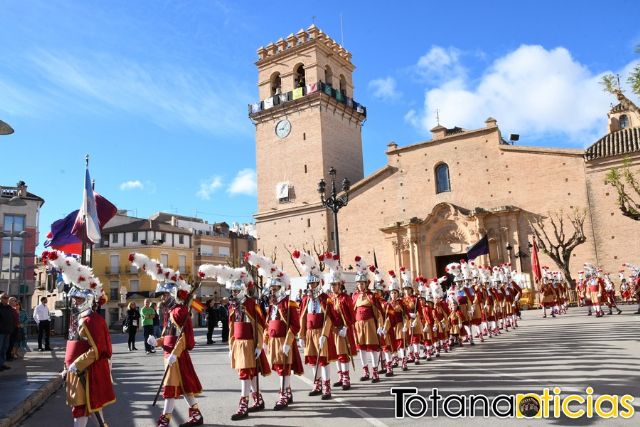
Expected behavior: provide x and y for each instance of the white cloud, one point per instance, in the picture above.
(532, 91)
(209, 187)
(244, 183)
(440, 64)
(132, 185)
(384, 88)
(164, 94)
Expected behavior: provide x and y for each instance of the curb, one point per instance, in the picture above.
(33, 402)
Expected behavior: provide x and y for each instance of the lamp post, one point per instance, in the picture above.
(334, 201)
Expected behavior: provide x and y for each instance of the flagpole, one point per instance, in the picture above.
(83, 257)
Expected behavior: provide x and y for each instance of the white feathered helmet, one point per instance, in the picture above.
(394, 283)
(85, 286)
(308, 265)
(406, 278)
(332, 262)
(169, 280)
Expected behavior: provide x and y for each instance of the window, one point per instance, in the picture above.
(298, 73)
(163, 236)
(276, 84)
(135, 236)
(223, 251)
(114, 291)
(164, 260)
(328, 76)
(114, 238)
(114, 265)
(13, 223)
(181, 239)
(442, 178)
(12, 248)
(134, 285)
(343, 85)
(624, 121)
(205, 250)
(182, 263)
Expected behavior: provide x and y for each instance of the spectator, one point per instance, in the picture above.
(22, 332)
(6, 328)
(213, 316)
(223, 311)
(132, 321)
(148, 314)
(42, 319)
(13, 338)
(157, 331)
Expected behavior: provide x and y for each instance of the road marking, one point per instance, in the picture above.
(363, 414)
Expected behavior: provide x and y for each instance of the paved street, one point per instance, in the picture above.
(572, 352)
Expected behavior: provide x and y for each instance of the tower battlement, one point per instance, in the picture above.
(312, 35)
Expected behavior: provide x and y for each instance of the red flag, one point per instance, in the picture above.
(197, 305)
(535, 263)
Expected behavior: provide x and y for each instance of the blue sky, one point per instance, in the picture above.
(156, 91)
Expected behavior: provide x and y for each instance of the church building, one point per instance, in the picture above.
(433, 199)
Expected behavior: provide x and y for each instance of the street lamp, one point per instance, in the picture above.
(334, 201)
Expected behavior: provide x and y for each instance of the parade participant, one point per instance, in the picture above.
(581, 289)
(475, 298)
(610, 294)
(547, 295)
(440, 314)
(456, 320)
(414, 310)
(462, 297)
(344, 341)
(283, 324)
(387, 338)
(246, 325)
(177, 339)
(595, 288)
(369, 323)
(555, 283)
(317, 322)
(401, 319)
(625, 289)
(87, 370)
(489, 321)
(635, 282)
(430, 329)
(515, 292)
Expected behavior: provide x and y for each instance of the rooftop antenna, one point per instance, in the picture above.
(618, 78)
(438, 116)
(313, 19)
(342, 37)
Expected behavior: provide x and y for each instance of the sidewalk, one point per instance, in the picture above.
(30, 381)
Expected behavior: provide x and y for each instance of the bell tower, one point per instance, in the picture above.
(306, 122)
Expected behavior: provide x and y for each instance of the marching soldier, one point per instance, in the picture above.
(369, 323)
(177, 340)
(610, 293)
(595, 288)
(414, 310)
(400, 319)
(344, 341)
(317, 322)
(87, 371)
(387, 338)
(440, 313)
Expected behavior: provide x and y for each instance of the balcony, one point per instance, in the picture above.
(283, 99)
(111, 271)
(132, 269)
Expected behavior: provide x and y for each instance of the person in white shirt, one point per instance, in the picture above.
(42, 319)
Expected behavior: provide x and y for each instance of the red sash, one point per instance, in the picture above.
(277, 328)
(243, 330)
(315, 320)
(364, 313)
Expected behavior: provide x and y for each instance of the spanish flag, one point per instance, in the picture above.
(197, 305)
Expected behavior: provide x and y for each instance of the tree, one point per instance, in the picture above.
(611, 83)
(556, 242)
(628, 187)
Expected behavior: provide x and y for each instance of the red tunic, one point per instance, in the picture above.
(344, 310)
(98, 388)
(179, 316)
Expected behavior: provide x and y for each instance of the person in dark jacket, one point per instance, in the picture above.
(223, 314)
(213, 316)
(132, 322)
(7, 326)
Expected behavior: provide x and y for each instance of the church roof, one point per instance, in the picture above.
(624, 141)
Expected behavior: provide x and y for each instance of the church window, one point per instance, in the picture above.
(442, 178)
(343, 85)
(328, 76)
(298, 73)
(624, 121)
(276, 84)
